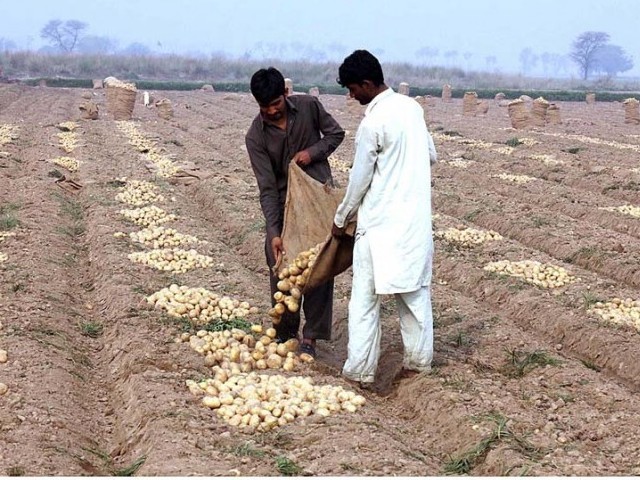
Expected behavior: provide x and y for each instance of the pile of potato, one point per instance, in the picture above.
(624, 209)
(260, 402)
(292, 280)
(468, 237)
(114, 82)
(68, 141)
(199, 305)
(504, 150)
(540, 274)
(459, 163)
(8, 133)
(236, 351)
(139, 193)
(69, 163)
(68, 126)
(150, 216)
(339, 164)
(4, 235)
(547, 159)
(3, 257)
(139, 141)
(519, 179)
(625, 312)
(162, 237)
(166, 167)
(172, 259)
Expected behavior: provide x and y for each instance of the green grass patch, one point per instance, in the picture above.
(8, 219)
(91, 329)
(248, 450)
(287, 467)
(513, 142)
(520, 363)
(465, 462)
(218, 326)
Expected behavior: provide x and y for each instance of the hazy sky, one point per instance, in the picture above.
(394, 29)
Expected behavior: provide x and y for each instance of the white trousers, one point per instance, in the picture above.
(416, 322)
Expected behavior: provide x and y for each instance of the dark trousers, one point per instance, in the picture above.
(317, 306)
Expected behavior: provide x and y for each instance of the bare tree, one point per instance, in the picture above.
(63, 35)
(585, 49)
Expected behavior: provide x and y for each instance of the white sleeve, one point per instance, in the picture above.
(367, 149)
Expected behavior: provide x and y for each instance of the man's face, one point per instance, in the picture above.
(363, 92)
(274, 110)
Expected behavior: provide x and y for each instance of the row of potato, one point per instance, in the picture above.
(629, 210)
(542, 275)
(233, 355)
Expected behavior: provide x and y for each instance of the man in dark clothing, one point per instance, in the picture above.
(290, 128)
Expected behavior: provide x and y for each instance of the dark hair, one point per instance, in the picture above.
(267, 84)
(358, 67)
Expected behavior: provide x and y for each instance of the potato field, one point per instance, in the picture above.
(134, 329)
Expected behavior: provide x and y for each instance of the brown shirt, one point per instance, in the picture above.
(271, 149)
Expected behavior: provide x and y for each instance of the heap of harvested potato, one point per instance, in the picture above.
(114, 82)
(68, 126)
(150, 216)
(547, 159)
(3, 257)
(504, 150)
(236, 351)
(8, 133)
(199, 305)
(540, 274)
(162, 237)
(624, 209)
(468, 237)
(139, 193)
(172, 259)
(625, 312)
(68, 141)
(166, 167)
(519, 179)
(4, 235)
(292, 281)
(459, 163)
(339, 164)
(69, 163)
(260, 402)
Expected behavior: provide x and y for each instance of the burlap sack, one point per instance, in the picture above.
(308, 217)
(469, 104)
(97, 83)
(631, 111)
(314, 92)
(590, 98)
(499, 96)
(518, 114)
(164, 108)
(207, 87)
(553, 114)
(403, 88)
(89, 111)
(446, 93)
(120, 102)
(539, 112)
(482, 107)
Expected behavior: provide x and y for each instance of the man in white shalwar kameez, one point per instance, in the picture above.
(390, 190)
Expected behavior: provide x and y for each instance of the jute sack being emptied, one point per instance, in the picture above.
(631, 111)
(308, 217)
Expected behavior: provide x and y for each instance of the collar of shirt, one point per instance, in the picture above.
(290, 108)
(378, 98)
